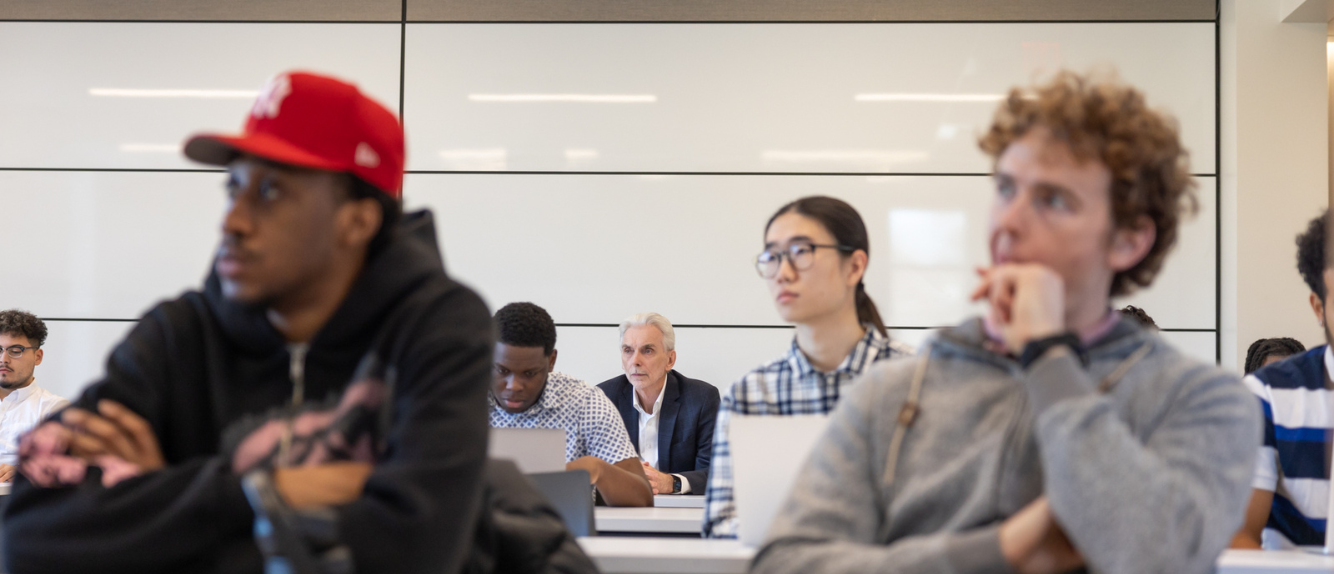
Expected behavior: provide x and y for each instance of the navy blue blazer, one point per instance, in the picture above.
(685, 431)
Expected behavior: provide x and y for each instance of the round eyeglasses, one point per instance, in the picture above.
(800, 255)
(16, 351)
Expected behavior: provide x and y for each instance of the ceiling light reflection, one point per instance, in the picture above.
(137, 93)
(862, 156)
(929, 97)
(578, 98)
(150, 148)
(482, 159)
(581, 154)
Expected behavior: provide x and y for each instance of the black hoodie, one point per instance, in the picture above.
(195, 365)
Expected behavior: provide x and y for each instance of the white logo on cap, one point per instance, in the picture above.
(271, 97)
(365, 156)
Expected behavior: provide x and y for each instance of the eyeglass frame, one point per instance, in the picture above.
(787, 253)
(24, 350)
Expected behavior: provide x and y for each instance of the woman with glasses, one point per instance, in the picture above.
(815, 254)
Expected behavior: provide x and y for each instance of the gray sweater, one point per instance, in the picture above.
(1151, 477)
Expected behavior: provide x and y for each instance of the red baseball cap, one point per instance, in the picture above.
(316, 121)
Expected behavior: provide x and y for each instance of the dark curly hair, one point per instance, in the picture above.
(1111, 123)
(16, 322)
(526, 325)
(1139, 316)
(1311, 262)
(1265, 348)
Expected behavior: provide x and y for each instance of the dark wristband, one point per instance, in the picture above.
(1035, 349)
(676, 484)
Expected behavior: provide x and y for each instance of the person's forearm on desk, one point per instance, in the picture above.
(1257, 514)
(621, 484)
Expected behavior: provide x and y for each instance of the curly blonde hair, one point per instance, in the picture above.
(1110, 122)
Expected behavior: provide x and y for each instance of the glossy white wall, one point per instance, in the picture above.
(729, 98)
(126, 95)
(599, 248)
(106, 245)
(903, 98)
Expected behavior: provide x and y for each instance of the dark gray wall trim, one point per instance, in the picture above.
(609, 10)
(204, 10)
(807, 11)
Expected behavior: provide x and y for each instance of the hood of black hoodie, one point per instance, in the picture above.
(409, 259)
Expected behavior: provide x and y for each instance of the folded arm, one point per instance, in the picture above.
(1169, 502)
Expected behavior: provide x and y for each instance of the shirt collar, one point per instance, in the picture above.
(19, 395)
(860, 353)
(657, 403)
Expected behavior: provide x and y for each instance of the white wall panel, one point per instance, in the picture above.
(765, 98)
(598, 248)
(52, 118)
(105, 244)
(75, 354)
(1200, 345)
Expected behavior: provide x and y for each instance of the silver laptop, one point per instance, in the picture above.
(767, 454)
(534, 450)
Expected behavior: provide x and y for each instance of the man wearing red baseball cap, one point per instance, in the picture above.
(329, 374)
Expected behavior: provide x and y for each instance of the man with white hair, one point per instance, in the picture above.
(669, 417)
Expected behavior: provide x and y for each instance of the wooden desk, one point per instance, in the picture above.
(667, 555)
(678, 500)
(675, 521)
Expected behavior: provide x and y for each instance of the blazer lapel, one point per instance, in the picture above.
(667, 420)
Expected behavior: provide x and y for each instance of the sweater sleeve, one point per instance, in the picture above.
(144, 524)
(1168, 502)
(418, 510)
(831, 520)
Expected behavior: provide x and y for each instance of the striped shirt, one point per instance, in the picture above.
(789, 385)
(1296, 397)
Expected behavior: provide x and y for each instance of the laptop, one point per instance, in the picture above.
(533, 450)
(767, 454)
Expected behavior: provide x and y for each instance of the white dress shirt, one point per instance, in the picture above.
(19, 412)
(648, 434)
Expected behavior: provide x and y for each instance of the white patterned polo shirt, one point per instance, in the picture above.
(592, 425)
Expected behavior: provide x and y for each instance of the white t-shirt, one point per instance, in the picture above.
(19, 413)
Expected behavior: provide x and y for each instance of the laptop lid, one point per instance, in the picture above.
(533, 450)
(767, 454)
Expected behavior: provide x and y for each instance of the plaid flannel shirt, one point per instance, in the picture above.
(786, 386)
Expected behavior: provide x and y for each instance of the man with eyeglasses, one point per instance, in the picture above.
(23, 404)
(325, 390)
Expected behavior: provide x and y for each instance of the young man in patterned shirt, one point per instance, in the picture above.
(527, 393)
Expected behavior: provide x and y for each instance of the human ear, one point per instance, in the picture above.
(1318, 307)
(1131, 244)
(359, 221)
(857, 267)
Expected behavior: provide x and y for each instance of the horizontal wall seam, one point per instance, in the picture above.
(439, 172)
(616, 325)
(606, 22)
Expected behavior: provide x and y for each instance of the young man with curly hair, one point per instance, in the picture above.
(527, 392)
(1289, 496)
(23, 404)
(1051, 434)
